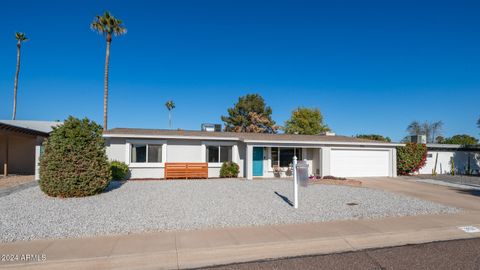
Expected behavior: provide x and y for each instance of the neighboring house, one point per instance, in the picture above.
(461, 155)
(20, 144)
(259, 155)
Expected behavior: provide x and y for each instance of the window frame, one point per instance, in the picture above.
(219, 156)
(279, 155)
(128, 154)
(230, 144)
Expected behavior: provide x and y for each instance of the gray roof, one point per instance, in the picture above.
(446, 147)
(243, 136)
(32, 125)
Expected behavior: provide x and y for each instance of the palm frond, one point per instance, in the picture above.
(21, 36)
(107, 24)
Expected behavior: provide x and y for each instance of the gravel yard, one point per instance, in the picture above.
(187, 205)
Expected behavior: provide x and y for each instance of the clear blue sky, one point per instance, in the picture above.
(370, 66)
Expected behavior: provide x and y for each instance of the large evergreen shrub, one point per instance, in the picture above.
(74, 162)
(411, 158)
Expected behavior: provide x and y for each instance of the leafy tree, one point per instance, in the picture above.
(306, 121)
(439, 139)
(462, 139)
(250, 114)
(170, 106)
(374, 137)
(107, 25)
(21, 37)
(411, 158)
(428, 129)
(74, 162)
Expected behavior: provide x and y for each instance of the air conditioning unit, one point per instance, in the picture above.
(211, 127)
(418, 138)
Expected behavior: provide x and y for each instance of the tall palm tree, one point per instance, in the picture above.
(21, 37)
(170, 106)
(107, 25)
(436, 129)
(414, 128)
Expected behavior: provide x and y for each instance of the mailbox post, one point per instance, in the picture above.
(300, 174)
(295, 183)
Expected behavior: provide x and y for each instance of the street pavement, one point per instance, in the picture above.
(455, 254)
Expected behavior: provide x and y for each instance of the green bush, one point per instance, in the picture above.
(119, 170)
(229, 170)
(74, 162)
(411, 158)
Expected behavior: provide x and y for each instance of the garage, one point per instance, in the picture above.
(359, 162)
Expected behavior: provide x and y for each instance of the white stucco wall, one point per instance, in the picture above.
(174, 150)
(444, 161)
(184, 151)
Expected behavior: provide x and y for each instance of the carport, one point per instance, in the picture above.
(20, 143)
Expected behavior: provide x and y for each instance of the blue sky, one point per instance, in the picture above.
(370, 66)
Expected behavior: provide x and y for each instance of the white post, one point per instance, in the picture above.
(295, 183)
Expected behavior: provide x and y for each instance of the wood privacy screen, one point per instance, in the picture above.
(184, 170)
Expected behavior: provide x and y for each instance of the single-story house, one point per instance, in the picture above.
(20, 145)
(463, 157)
(259, 155)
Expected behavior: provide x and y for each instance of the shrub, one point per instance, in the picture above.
(411, 158)
(229, 169)
(74, 162)
(119, 170)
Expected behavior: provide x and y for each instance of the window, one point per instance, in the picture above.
(146, 153)
(217, 153)
(284, 156)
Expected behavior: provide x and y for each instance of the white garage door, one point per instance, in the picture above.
(358, 163)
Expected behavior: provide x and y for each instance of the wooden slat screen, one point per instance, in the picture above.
(186, 170)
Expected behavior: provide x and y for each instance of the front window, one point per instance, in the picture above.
(283, 157)
(146, 153)
(217, 153)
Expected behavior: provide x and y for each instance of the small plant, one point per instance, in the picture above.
(229, 170)
(119, 170)
(434, 170)
(452, 167)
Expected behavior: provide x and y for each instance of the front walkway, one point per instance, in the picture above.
(182, 249)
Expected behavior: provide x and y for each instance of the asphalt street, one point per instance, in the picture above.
(456, 254)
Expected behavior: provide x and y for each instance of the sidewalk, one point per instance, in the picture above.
(188, 249)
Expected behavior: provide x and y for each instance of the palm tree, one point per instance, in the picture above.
(414, 128)
(427, 129)
(107, 25)
(436, 129)
(20, 38)
(170, 106)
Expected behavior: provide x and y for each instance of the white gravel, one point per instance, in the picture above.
(187, 205)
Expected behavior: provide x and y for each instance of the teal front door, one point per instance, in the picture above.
(257, 161)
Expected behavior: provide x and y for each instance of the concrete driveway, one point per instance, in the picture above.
(457, 197)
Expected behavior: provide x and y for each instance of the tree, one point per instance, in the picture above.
(250, 114)
(170, 106)
(427, 129)
(74, 162)
(107, 25)
(478, 123)
(374, 137)
(462, 139)
(306, 121)
(21, 37)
